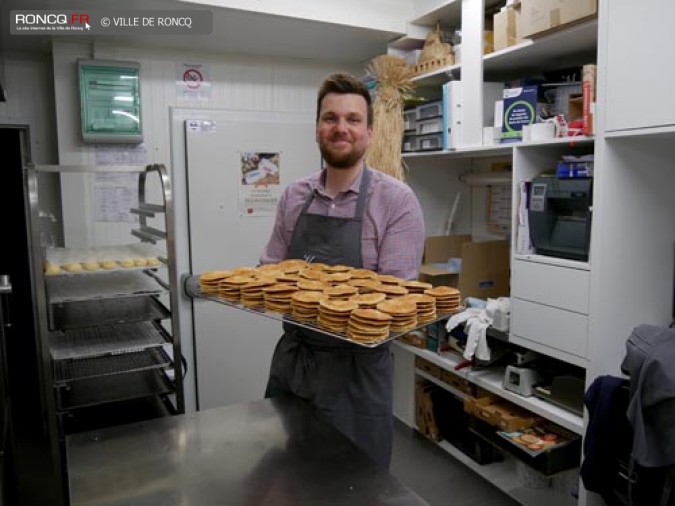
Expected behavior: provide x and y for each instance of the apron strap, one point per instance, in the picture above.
(360, 203)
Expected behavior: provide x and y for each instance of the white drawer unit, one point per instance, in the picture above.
(554, 328)
(551, 285)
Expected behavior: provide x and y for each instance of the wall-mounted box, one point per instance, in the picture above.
(110, 101)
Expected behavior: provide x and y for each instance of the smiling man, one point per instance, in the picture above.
(345, 214)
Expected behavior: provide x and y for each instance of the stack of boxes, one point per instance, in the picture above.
(423, 127)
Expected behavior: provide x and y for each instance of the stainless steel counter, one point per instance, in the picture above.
(273, 452)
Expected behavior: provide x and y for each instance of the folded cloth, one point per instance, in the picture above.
(476, 323)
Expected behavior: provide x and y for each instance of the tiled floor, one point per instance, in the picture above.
(437, 476)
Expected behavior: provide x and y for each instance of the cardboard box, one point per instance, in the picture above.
(428, 367)
(588, 92)
(539, 16)
(485, 270)
(506, 28)
(575, 107)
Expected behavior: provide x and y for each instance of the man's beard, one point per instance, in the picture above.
(341, 160)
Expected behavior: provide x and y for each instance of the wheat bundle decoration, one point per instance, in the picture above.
(393, 78)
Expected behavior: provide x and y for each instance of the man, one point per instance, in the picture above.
(345, 214)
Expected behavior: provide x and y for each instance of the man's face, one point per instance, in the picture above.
(342, 131)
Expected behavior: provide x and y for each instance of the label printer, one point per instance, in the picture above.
(560, 216)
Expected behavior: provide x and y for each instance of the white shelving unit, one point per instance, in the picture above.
(491, 380)
(572, 45)
(628, 278)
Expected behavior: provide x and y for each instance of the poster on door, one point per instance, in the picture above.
(259, 183)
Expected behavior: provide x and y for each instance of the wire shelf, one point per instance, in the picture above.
(101, 286)
(70, 315)
(106, 339)
(106, 389)
(110, 365)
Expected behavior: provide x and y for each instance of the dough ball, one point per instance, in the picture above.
(127, 262)
(51, 269)
(140, 262)
(72, 267)
(109, 264)
(152, 262)
(91, 266)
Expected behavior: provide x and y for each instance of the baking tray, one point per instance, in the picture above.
(191, 285)
(101, 286)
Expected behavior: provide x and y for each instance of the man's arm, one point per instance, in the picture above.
(402, 245)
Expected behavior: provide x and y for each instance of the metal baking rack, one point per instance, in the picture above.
(66, 371)
(101, 286)
(96, 312)
(107, 389)
(106, 339)
(191, 286)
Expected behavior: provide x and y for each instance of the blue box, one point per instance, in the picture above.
(520, 108)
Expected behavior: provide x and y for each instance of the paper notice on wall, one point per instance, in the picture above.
(114, 195)
(121, 154)
(259, 183)
(193, 82)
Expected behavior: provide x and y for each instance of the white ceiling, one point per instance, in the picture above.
(234, 31)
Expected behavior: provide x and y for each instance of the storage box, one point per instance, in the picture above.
(588, 92)
(484, 265)
(429, 110)
(506, 28)
(539, 16)
(429, 126)
(429, 142)
(429, 368)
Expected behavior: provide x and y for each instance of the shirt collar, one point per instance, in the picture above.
(354, 188)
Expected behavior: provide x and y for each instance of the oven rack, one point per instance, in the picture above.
(106, 339)
(96, 312)
(109, 365)
(107, 389)
(103, 285)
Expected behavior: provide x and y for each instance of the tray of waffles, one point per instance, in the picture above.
(355, 305)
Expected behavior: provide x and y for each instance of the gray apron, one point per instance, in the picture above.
(351, 385)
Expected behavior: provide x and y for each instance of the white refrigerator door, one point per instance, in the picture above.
(233, 348)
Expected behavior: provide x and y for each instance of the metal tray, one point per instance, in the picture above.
(101, 286)
(66, 371)
(106, 339)
(191, 285)
(72, 315)
(113, 388)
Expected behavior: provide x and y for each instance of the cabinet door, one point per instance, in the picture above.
(640, 74)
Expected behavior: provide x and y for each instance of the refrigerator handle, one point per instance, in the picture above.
(5, 292)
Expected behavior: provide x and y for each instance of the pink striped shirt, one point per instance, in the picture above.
(392, 235)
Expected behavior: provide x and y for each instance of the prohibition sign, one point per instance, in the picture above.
(193, 78)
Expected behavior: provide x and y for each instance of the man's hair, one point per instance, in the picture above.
(344, 84)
